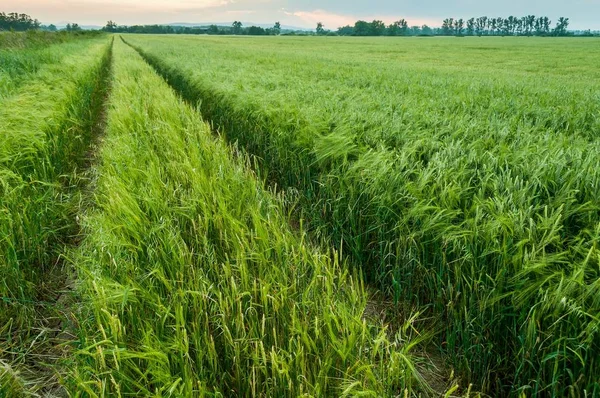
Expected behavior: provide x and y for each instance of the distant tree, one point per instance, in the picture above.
(542, 26)
(561, 27)
(403, 25)
(538, 26)
(398, 28)
(377, 28)
(511, 25)
(393, 30)
(213, 30)
(515, 25)
(471, 27)
(256, 31)
(236, 27)
(521, 26)
(529, 24)
(459, 27)
(546, 25)
(414, 30)
(345, 30)
(506, 27)
(499, 25)
(277, 28)
(426, 30)
(73, 27)
(448, 26)
(110, 27)
(320, 28)
(51, 28)
(480, 25)
(361, 28)
(491, 26)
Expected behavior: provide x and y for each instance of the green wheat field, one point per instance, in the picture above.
(201, 216)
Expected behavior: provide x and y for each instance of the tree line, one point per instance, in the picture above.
(529, 25)
(18, 22)
(236, 28)
(378, 28)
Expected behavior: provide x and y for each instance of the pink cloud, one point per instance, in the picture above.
(332, 20)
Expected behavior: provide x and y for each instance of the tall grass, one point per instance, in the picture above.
(194, 283)
(468, 187)
(22, 55)
(46, 129)
(34, 38)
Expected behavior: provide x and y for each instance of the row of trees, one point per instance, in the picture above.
(482, 26)
(23, 22)
(112, 27)
(235, 29)
(238, 29)
(18, 22)
(529, 25)
(73, 27)
(378, 28)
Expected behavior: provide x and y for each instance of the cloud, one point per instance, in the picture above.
(242, 12)
(333, 21)
(328, 19)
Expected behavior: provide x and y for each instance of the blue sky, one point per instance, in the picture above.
(303, 13)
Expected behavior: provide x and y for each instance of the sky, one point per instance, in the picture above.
(583, 14)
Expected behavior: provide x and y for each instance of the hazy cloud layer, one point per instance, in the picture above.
(304, 13)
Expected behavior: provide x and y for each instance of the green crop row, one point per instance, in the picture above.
(46, 126)
(469, 188)
(194, 282)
